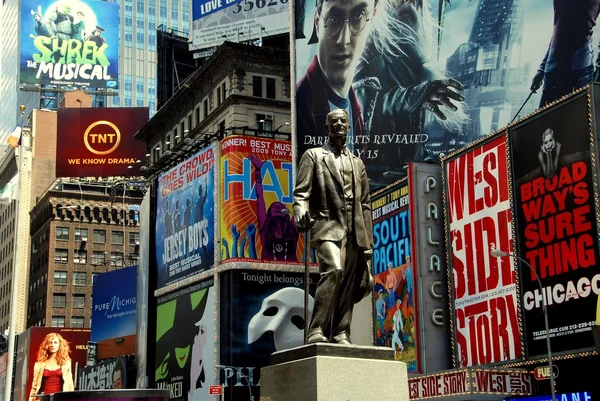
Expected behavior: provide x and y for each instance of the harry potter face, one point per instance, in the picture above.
(337, 127)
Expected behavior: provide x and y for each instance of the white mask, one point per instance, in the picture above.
(281, 313)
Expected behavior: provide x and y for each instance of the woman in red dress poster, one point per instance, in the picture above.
(52, 371)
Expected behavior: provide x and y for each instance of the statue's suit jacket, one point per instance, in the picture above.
(319, 190)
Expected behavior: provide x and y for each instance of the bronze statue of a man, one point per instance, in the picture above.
(332, 198)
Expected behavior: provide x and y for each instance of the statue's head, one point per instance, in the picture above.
(337, 127)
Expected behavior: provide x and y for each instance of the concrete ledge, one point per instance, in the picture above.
(335, 378)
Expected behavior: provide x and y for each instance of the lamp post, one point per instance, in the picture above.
(498, 254)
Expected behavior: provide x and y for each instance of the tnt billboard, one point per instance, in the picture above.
(70, 42)
(99, 142)
(483, 288)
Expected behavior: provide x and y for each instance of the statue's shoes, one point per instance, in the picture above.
(341, 338)
(317, 337)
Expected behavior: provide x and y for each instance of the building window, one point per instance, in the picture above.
(205, 104)
(79, 279)
(98, 258)
(117, 259)
(78, 301)
(181, 128)
(219, 95)
(62, 233)
(224, 90)
(79, 256)
(134, 239)
(58, 321)
(116, 237)
(61, 255)
(257, 86)
(59, 300)
(81, 234)
(99, 236)
(60, 278)
(267, 122)
(270, 88)
(189, 124)
(197, 115)
(77, 321)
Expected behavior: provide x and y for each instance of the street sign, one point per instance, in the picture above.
(543, 372)
(215, 390)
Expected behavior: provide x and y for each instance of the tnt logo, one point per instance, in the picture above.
(102, 138)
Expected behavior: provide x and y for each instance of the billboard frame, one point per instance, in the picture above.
(594, 146)
(449, 267)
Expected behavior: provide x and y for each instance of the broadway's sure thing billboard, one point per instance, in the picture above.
(114, 306)
(395, 312)
(261, 312)
(70, 42)
(185, 211)
(556, 226)
(484, 289)
(256, 201)
(236, 20)
(185, 326)
(110, 374)
(391, 72)
(99, 142)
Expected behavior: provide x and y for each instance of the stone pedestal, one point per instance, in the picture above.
(331, 372)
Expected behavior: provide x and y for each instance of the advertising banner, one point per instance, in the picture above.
(465, 382)
(261, 312)
(3, 362)
(426, 206)
(104, 375)
(236, 20)
(185, 342)
(395, 312)
(70, 42)
(256, 201)
(114, 306)
(423, 78)
(484, 290)
(185, 213)
(99, 142)
(37, 339)
(556, 226)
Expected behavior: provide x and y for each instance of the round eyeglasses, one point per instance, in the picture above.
(357, 22)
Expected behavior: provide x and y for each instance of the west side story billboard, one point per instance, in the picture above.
(556, 226)
(484, 288)
(215, 21)
(70, 42)
(185, 218)
(393, 71)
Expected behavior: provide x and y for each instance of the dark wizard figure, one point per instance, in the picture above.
(96, 36)
(568, 64)
(331, 197)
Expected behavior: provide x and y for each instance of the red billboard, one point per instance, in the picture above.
(483, 288)
(99, 142)
(28, 348)
(557, 233)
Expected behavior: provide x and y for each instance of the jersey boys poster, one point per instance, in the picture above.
(256, 201)
(395, 308)
(185, 343)
(556, 226)
(484, 290)
(185, 218)
(70, 42)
